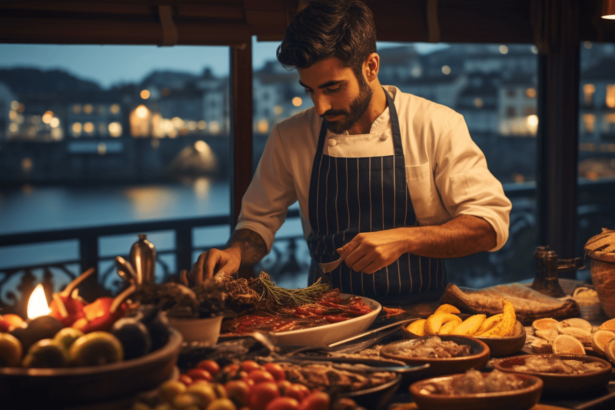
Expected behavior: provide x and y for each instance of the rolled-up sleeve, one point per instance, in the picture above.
(466, 185)
(271, 192)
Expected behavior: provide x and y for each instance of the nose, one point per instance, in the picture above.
(321, 104)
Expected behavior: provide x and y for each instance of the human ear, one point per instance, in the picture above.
(371, 66)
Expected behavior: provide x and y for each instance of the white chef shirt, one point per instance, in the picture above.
(446, 172)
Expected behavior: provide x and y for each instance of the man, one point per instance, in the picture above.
(390, 182)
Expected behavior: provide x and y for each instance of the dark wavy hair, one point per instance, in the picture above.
(329, 28)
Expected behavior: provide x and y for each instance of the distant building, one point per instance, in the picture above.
(517, 105)
(478, 103)
(7, 106)
(597, 102)
(95, 115)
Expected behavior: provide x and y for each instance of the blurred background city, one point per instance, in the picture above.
(92, 136)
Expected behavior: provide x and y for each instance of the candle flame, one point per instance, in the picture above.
(37, 305)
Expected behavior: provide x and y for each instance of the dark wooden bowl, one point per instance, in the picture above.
(377, 397)
(499, 346)
(521, 399)
(58, 388)
(440, 367)
(560, 384)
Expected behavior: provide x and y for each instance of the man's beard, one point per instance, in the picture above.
(357, 109)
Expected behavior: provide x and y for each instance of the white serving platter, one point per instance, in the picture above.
(326, 334)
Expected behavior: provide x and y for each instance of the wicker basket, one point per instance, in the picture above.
(601, 250)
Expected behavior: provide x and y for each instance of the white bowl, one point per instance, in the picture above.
(334, 332)
(205, 331)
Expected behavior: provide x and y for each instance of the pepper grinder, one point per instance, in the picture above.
(547, 267)
(143, 260)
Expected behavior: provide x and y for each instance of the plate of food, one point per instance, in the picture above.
(447, 354)
(312, 316)
(561, 374)
(474, 390)
(501, 332)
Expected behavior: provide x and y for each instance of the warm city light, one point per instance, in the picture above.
(76, 108)
(77, 128)
(13, 127)
(13, 115)
(278, 110)
(478, 102)
(47, 117)
(102, 148)
(503, 49)
(202, 147)
(55, 122)
(297, 101)
(610, 95)
(262, 126)
(534, 49)
(177, 122)
(191, 125)
(37, 305)
(587, 44)
(145, 94)
(142, 111)
(88, 108)
(26, 164)
(589, 121)
(115, 129)
(532, 120)
(214, 127)
(588, 93)
(115, 109)
(57, 134)
(201, 125)
(446, 70)
(14, 105)
(530, 93)
(88, 127)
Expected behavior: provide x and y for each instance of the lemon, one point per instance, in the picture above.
(10, 350)
(46, 353)
(95, 349)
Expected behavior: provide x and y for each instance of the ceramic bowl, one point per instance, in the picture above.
(59, 388)
(205, 331)
(498, 346)
(438, 367)
(562, 384)
(521, 399)
(376, 397)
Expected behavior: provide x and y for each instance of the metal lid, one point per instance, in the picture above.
(602, 246)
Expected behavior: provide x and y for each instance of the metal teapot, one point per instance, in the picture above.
(547, 267)
(142, 265)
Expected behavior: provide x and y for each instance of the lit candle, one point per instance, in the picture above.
(37, 305)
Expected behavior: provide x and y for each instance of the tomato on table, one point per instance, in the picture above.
(211, 366)
(283, 403)
(199, 374)
(276, 371)
(262, 394)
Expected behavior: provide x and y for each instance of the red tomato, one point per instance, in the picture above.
(238, 391)
(262, 394)
(185, 379)
(249, 365)
(4, 326)
(212, 367)
(276, 371)
(283, 385)
(199, 374)
(297, 391)
(283, 403)
(316, 401)
(260, 376)
(231, 368)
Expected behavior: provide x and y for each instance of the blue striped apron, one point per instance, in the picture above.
(353, 195)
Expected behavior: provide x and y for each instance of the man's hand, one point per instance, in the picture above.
(461, 236)
(372, 251)
(245, 248)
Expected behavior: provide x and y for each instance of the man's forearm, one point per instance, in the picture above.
(462, 236)
(248, 245)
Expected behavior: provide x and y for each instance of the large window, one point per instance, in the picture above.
(99, 135)
(493, 86)
(596, 190)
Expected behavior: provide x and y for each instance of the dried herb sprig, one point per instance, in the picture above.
(283, 296)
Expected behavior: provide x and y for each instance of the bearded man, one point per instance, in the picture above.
(387, 181)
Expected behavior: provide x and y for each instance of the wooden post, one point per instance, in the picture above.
(241, 131)
(558, 130)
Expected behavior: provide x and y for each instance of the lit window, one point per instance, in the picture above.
(214, 127)
(13, 115)
(610, 118)
(478, 102)
(88, 108)
(446, 70)
(278, 110)
(77, 128)
(47, 117)
(589, 122)
(588, 93)
(115, 109)
(115, 129)
(530, 93)
(177, 122)
(13, 127)
(55, 122)
(142, 111)
(14, 105)
(76, 109)
(503, 49)
(191, 125)
(297, 101)
(145, 94)
(88, 127)
(26, 164)
(201, 125)
(263, 126)
(532, 120)
(102, 148)
(610, 95)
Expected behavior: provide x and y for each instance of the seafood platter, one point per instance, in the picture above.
(227, 343)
